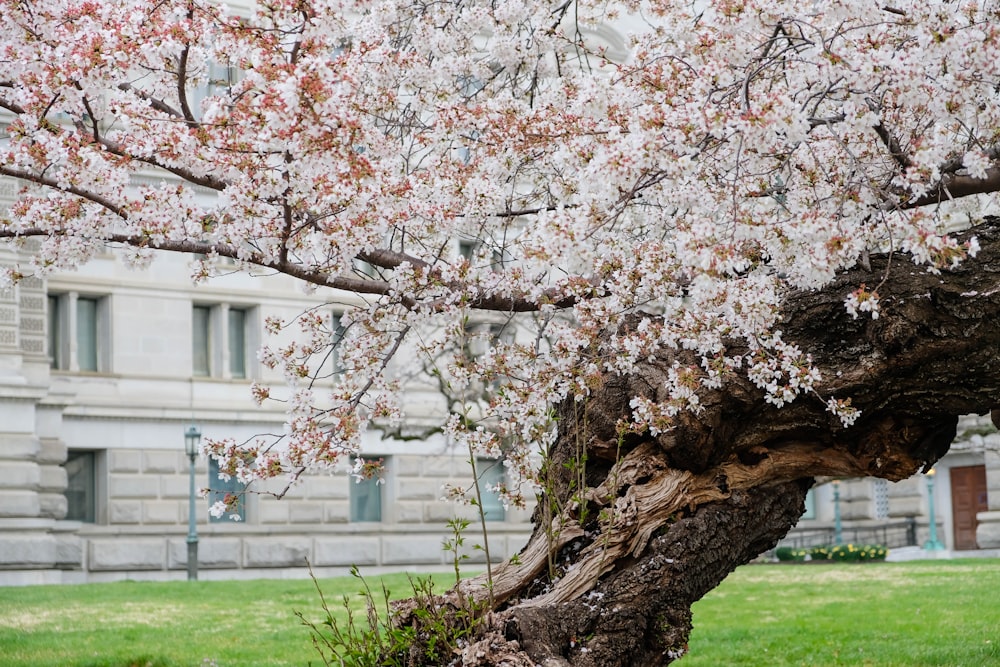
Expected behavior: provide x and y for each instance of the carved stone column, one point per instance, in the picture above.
(31, 478)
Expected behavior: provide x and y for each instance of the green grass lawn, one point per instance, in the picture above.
(176, 624)
(887, 614)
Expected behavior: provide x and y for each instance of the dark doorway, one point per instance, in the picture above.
(968, 498)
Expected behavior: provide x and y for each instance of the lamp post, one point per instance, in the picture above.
(838, 535)
(192, 439)
(933, 544)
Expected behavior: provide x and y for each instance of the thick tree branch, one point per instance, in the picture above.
(10, 106)
(318, 276)
(956, 186)
(892, 144)
(182, 65)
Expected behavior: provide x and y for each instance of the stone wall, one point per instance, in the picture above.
(988, 530)
(978, 444)
(141, 528)
(131, 414)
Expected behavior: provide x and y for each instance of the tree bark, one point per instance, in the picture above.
(615, 563)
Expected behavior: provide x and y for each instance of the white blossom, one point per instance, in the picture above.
(455, 166)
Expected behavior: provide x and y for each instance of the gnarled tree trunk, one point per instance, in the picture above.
(611, 571)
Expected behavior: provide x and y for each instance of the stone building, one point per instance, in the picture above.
(966, 501)
(102, 371)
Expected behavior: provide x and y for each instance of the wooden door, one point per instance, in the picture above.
(968, 498)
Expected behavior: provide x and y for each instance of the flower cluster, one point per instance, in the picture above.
(862, 300)
(851, 553)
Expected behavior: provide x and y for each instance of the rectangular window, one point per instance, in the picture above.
(86, 334)
(464, 151)
(501, 259)
(810, 512)
(363, 269)
(480, 337)
(55, 334)
(219, 490)
(337, 335)
(76, 325)
(467, 250)
(219, 79)
(220, 341)
(491, 475)
(366, 499)
(881, 499)
(201, 340)
(237, 343)
(81, 486)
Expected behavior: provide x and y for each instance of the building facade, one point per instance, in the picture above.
(964, 486)
(102, 371)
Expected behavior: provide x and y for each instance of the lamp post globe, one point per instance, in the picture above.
(192, 440)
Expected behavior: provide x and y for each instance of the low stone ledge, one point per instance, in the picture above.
(269, 552)
(346, 551)
(27, 550)
(127, 554)
(213, 553)
(412, 550)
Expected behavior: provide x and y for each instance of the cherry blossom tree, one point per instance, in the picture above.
(746, 247)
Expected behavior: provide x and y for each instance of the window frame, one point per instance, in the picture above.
(237, 361)
(218, 82)
(337, 333)
(225, 363)
(809, 513)
(88, 326)
(205, 323)
(490, 472)
(96, 473)
(54, 334)
(360, 490)
(217, 490)
(63, 334)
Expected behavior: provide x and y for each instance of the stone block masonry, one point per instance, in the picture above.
(127, 554)
(214, 553)
(277, 552)
(412, 549)
(347, 552)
